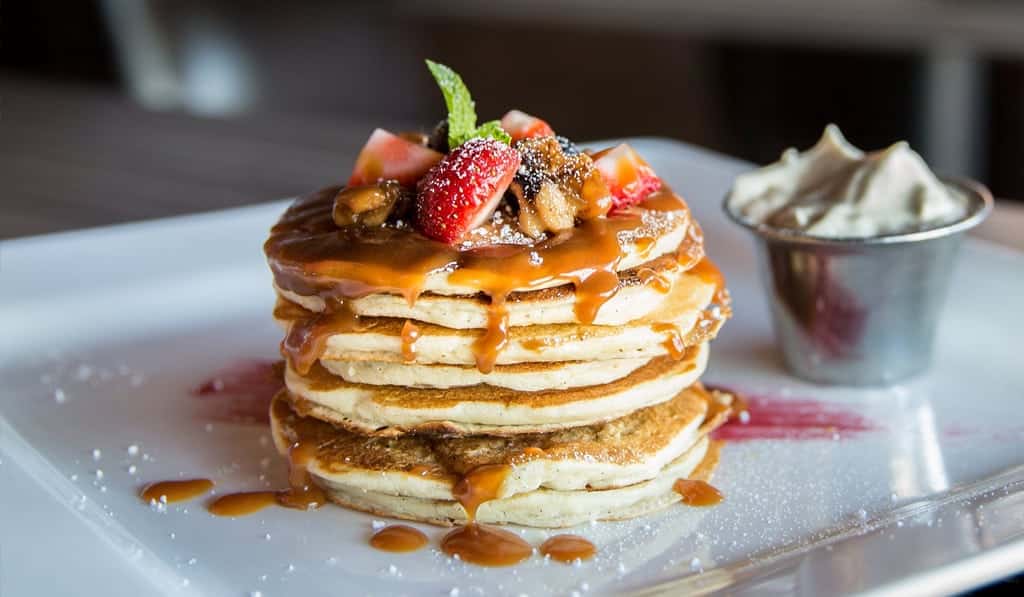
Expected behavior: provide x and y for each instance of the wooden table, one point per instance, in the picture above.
(74, 157)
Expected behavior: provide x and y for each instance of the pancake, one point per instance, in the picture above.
(393, 410)
(545, 508)
(413, 476)
(310, 256)
(640, 290)
(524, 377)
(688, 308)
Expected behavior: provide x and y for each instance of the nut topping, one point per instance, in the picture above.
(369, 205)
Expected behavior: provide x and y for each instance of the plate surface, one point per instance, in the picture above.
(107, 332)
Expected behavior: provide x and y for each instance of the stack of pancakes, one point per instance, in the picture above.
(571, 365)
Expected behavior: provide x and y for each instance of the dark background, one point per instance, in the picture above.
(735, 89)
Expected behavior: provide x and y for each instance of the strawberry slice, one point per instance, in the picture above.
(521, 125)
(462, 191)
(387, 156)
(630, 179)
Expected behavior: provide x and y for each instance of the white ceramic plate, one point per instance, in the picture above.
(106, 331)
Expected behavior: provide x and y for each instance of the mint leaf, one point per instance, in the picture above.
(492, 130)
(461, 112)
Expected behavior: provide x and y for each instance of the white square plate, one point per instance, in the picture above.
(105, 333)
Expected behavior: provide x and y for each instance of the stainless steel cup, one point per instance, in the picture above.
(860, 311)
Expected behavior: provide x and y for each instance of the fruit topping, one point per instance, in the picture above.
(554, 189)
(521, 125)
(461, 109)
(371, 205)
(630, 179)
(387, 156)
(463, 190)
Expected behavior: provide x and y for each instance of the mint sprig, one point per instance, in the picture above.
(462, 110)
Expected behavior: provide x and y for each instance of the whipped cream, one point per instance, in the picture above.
(835, 190)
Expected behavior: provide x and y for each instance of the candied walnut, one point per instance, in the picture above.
(555, 186)
(371, 205)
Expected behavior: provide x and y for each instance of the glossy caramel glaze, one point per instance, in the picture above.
(697, 493)
(311, 256)
(302, 493)
(479, 485)
(568, 548)
(242, 503)
(410, 334)
(486, 545)
(398, 538)
(170, 492)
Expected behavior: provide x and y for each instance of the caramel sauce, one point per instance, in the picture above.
(311, 256)
(709, 273)
(307, 336)
(477, 543)
(697, 493)
(240, 504)
(674, 342)
(302, 493)
(410, 334)
(398, 538)
(644, 244)
(486, 545)
(568, 548)
(480, 485)
(535, 344)
(655, 280)
(176, 491)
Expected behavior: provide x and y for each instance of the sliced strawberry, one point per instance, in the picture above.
(387, 156)
(630, 179)
(462, 191)
(521, 125)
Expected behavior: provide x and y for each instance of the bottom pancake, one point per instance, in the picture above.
(546, 508)
(618, 469)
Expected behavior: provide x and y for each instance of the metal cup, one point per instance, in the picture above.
(860, 311)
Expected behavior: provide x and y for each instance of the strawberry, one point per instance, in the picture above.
(521, 125)
(630, 179)
(462, 191)
(387, 156)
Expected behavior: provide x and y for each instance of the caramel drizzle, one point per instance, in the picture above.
(302, 493)
(568, 548)
(309, 255)
(410, 334)
(478, 543)
(169, 492)
(695, 492)
(398, 538)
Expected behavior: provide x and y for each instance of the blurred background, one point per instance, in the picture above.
(115, 110)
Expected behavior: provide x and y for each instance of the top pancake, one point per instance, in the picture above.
(310, 256)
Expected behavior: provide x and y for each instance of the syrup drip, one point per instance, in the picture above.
(494, 340)
(302, 493)
(697, 493)
(655, 280)
(674, 342)
(398, 538)
(477, 543)
(568, 548)
(176, 491)
(240, 504)
(307, 336)
(480, 485)
(310, 255)
(410, 334)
